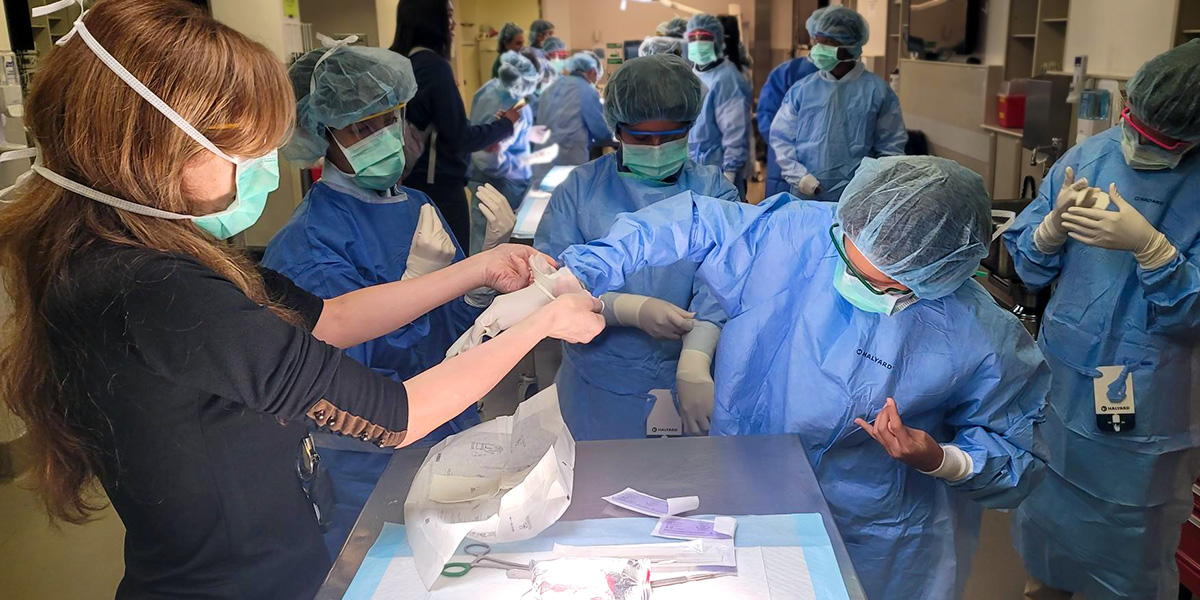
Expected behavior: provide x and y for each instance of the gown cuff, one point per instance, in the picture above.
(956, 464)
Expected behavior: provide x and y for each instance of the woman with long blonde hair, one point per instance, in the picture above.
(147, 356)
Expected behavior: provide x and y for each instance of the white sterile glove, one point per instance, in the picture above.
(538, 134)
(731, 176)
(659, 318)
(1122, 229)
(1050, 235)
(554, 281)
(808, 185)
(506, 310)
(432, 247)
(544, 156)
(499, 214)
(693, 380)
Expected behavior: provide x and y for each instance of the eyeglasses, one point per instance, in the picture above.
(853, 271)
(373, 123)
(1157, 139)
(701, 36)
(652, 138)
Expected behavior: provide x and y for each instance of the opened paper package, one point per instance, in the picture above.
(501, 481)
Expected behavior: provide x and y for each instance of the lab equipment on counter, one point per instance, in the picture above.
(500, 481)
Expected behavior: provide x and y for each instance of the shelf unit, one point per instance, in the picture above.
(897, 23)
(1037, 37)
(1187, 21)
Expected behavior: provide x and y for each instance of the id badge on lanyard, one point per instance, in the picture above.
(1115, 411)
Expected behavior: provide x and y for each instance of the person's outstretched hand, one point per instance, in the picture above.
(575, 318)
(506, 267)
(905, 444)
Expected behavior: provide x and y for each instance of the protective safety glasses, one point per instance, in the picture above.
(372, 124)
(652, 138)
(837, 243)
(1158, 139)
(701, 36)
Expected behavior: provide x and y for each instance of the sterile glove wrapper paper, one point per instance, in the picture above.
(501, 481)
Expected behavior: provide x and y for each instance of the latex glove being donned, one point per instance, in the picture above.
(807, 186)
(499, 214)
(432, 247)
(731, 176)
(541, 157)
(1050, 236)
(1122, 229)
(538, 134)
(505, 311)
(659, 318)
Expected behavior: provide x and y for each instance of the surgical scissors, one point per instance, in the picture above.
(480, 558)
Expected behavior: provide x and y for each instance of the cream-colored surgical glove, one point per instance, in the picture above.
(499, 215)
(1122, 229)
(1050, 236)
(658, 318)
(694, 384)
(432, 247)
(808, 185)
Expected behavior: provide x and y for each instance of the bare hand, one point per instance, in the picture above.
(513, 114)
(905, 444)
(575, 318)
(506, 267)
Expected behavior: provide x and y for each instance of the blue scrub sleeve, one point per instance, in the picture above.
(1036, 269)
(733, 119)
(593, 116)
(559, 227)
(995, 417)
(890, 134)
(784, 130)
(720, 235)
(1173, 294)
(770, 98)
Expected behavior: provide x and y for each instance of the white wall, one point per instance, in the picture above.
(995, 33)
(1119, 35)
(781, 25)
(261, 20)
(385, 21)
(876, 14)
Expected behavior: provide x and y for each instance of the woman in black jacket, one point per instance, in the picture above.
(424, 31)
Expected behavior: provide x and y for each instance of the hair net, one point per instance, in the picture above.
(661, 45)
(351, 84)
(660, 87)
(540, 26)
(922, 220)
(518, 75)
(710, 24)
(839, 23)
(507, 33)
(553, 44)
(583, 62)
(674, 28)
(1165, 92)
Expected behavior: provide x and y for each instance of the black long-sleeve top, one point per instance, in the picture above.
(438, 102)
(199, 399)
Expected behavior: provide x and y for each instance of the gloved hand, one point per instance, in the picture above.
(506, 310)
(541, 157)
(807, 186)
(693, 380)
(553, 280)
(432, 247)
(1050, 235)
(538, 134)
(659, 318)
(1122, 229)
(731, 176)
(499, 214)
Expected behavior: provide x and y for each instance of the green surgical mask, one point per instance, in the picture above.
(702, 53)
(558, 64)
(825, 57)
(856, 293)
(378, 159)
(655, 162)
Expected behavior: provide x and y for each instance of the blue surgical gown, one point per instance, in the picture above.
(826, 126)
(795, 357)
(343, 238)
(720, 136)
(501, 168)
(604, 386)
(781, 79)
(571, 108)
(1107, 520)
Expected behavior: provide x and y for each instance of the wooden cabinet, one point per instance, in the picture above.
(1188, 554)
(1037, 37)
